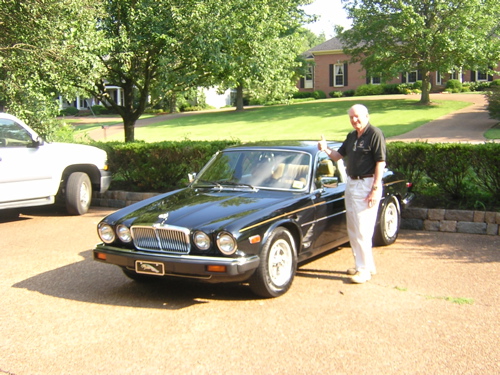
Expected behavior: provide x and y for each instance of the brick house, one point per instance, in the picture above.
(330, 71)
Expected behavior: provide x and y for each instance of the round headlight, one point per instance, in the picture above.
(201, 240)
(226, 243)
(106, 232)
(123, 233)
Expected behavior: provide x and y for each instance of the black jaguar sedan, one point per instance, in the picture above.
(252, 214)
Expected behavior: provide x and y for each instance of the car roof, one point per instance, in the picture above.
(304, 146)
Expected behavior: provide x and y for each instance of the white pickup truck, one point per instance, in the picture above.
(35, 173)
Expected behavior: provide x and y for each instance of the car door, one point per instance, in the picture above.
(24, 170)
(330, 217)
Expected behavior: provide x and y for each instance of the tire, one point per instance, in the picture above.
(78, 193)
(387, 227)
(278, 265)
(139, 277)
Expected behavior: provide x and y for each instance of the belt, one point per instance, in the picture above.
(361, 177)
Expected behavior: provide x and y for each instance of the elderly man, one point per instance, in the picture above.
(364, 151)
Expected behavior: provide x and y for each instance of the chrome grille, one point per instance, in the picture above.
(167, 239)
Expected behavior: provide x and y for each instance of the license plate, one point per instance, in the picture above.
(150, 268)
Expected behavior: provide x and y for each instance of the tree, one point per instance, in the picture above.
(256, 46)
(46, 48)
(389, 37)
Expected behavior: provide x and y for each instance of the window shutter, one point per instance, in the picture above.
(301, 85)
(490, 78)
(473, 76)
(419, 75)
(345, 74)
(403, 77)
(331, 75)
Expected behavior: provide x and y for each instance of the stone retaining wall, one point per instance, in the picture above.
(460, 221)
(438, 220)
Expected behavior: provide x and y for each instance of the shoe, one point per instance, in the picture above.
(361, 277)
(352, 271)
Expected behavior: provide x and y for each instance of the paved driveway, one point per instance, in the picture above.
(62, 313)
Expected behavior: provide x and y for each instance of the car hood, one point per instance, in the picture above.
(207, 209)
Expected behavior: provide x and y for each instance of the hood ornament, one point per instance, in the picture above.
(163, 218)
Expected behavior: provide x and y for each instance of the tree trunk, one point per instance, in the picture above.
(425, 97)
(129, 127)
(239, 97)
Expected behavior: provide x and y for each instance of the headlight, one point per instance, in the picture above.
(123, 233)
(226, 243)
(106, 232)
(201, 240)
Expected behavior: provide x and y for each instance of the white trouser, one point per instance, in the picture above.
(361, 222)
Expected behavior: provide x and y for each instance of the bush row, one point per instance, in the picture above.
(454, 172)
(464, 173)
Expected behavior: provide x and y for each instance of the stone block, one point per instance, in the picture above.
(436, 214)
(490, 217)
(459, 215)
(479, 216)
(432, 225)
(448, 226)
(415, 213)
(413, 224)
(492, 229)
(470, 227)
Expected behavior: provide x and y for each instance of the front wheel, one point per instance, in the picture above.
(78, 193)
(387, 228)
(278, 264)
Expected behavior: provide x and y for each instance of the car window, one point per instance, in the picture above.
(326, 168)
(13, 135)
(259, 168)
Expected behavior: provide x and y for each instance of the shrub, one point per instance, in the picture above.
(369, 89)
(318, 94)
(390, 89)
(336, 94)
(493, 97)
(348, 93)
(69, 111)
(302, 95)
(453, 85)
(486, 164)
(100, 110)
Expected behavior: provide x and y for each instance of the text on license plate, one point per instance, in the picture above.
(150, 268)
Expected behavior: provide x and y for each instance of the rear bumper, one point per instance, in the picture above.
(232, 269)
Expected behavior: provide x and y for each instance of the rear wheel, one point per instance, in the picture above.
(278, 264)
(78, 193)
(387, 229)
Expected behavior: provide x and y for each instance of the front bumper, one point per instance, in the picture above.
(191, 266)
(105, 181)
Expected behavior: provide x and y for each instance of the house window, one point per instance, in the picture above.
(480, 76)
(375, 80)
(439, 79)
(411, 77)
(309, 78)
(339, 75)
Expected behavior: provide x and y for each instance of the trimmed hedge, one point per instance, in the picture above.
(450, 172)
(160, 166)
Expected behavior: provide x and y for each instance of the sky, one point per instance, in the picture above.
(330, 13)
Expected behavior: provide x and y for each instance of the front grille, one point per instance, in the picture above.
(166, 239)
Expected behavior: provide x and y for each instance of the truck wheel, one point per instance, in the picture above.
(78, 193)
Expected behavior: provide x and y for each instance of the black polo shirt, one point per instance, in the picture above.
(361, 154)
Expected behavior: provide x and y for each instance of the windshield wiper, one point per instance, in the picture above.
(233, 183)
(210, 183)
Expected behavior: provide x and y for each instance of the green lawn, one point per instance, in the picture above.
(307, 120)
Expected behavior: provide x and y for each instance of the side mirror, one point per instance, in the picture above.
(329, 182)
(36, 142)
(191, 176)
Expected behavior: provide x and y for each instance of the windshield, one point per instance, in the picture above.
(257, 169)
